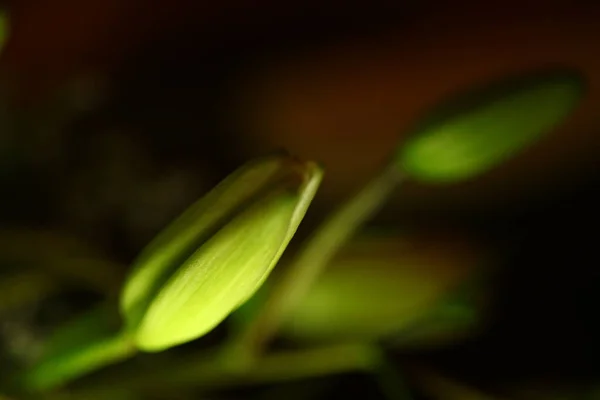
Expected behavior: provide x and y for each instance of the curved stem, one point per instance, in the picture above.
(203, 372)
(90, 342)
(66, 367)
(313, 257)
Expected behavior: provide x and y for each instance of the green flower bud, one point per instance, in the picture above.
(471, 133)
(218, 253)
(386, 286)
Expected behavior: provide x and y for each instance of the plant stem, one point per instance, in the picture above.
(70, 365)
(313, 257)
(204, 372)
(89, 342)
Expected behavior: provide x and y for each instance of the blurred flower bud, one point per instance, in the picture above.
(218, 253)
(470, 134)
(387, 286)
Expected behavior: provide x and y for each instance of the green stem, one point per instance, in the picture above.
(87, 343)
(62, 368)
(206, 373)
(314, 256)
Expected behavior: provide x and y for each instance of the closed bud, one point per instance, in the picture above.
(391, 286)
(218, 253)
(473, 132)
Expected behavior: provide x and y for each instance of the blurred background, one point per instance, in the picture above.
(117, 114)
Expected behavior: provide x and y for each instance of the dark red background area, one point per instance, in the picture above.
(346, 96)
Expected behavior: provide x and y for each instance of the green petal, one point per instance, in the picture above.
(473, 132)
